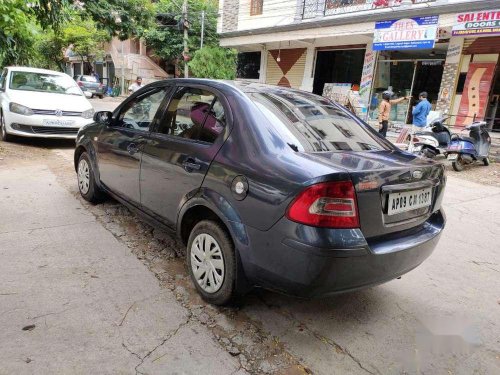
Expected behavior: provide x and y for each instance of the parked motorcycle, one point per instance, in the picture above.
(432, 140)
(465, 150)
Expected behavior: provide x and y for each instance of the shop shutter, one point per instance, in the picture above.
(289, 71)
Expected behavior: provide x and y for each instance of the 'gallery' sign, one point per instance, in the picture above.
(407, 33)
(477, 23)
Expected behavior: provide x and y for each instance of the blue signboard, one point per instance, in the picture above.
(406, 33)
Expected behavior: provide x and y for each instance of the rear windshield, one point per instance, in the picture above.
(89, 79)
(312, 123)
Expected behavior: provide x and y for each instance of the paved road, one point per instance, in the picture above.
(107, 293)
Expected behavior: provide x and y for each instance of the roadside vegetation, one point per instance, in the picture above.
(38, 33)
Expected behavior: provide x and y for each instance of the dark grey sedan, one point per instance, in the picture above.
(266, 186)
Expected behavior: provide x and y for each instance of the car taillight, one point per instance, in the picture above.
(80, 83)
(100, 85)
(327, 204)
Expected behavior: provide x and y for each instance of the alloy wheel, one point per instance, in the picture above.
(83, 176)
(207, 263)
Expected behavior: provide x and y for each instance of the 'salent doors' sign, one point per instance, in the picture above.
(407, 33)
(477, 23)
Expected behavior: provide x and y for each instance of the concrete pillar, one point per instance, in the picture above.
(308, 80)
(263, 64)
(450, 75)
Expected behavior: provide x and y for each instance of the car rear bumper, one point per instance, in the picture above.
(310, 262)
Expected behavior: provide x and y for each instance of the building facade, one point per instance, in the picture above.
(123, 60)
(310, 44)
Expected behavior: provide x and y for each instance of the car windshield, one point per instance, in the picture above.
(88, 79)
(311, 123)
(44, 82)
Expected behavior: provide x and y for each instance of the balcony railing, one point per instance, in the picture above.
(315, 8)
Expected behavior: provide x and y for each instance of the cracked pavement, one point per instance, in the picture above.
(109, 294)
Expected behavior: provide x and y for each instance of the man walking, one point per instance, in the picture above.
(420, 112)
(135, 86)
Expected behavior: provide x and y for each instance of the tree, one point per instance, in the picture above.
(16, 30)
(122, 18)
(20, 20)
(214, 62)
(167, 41)
(85, 40)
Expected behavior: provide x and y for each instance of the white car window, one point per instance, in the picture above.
(43, 82)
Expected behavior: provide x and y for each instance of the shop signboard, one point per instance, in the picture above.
(367, 75)
(407, 33)
(477, 23)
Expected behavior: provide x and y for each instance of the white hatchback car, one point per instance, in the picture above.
(41, 103)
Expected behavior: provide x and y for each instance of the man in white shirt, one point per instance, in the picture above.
(135, 86)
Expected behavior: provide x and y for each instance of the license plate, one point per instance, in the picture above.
(452, 157)
(56, 122)
(409, 200)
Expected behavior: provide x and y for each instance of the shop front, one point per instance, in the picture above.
(409, 61)
(477, 82)
(407, 73)
(341, 64)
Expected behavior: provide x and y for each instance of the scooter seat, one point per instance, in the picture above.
(468, 139)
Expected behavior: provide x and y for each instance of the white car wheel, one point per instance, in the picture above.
(3, 129)
(83, 176)
(207, 263)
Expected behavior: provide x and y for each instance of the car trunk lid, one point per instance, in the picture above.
(395, 191)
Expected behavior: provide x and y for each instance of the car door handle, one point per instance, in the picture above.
(190, 165)
(132, 148)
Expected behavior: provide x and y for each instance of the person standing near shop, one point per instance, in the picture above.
(420, 112)
(384, 111)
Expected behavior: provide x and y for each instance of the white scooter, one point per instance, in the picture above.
(432, 140)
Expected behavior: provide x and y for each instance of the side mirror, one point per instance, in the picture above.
(103, 117)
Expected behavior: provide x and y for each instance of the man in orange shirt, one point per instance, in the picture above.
(384, 110)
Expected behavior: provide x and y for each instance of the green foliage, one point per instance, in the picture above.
(16, 30)
(167, 42)
(214, 62)
(21, 21)
(122, 18)
(86, 40)
(133, 15)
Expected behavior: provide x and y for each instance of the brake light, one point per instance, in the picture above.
(80, 83)
(327, 204)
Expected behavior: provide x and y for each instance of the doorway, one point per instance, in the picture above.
(406, 78)
(337, 66)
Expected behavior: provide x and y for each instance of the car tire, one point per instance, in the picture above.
(458, 165)
(486, 162)
(220, 259)
(3, 130)
(86, 180)
(92, 96)
(101, 96)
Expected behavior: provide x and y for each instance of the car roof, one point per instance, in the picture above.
(34, 70)
(245, 86)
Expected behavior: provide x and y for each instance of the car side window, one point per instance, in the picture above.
(193, 113)
(139, 113)
(215, 123)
